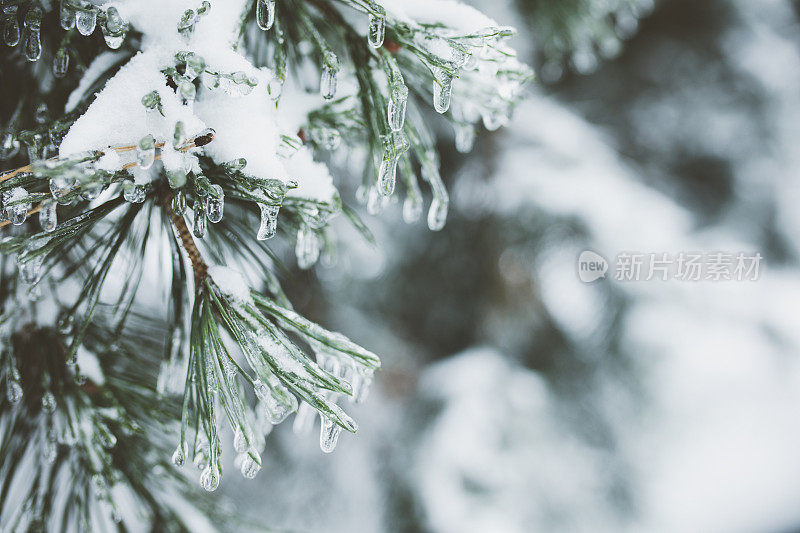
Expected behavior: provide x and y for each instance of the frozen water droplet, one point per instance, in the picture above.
(33, 45)
(66, 16)
(328, 434)
(275, 88)
(265, 13)
(250, 467)
(48, 216)
(114, 28)
(465, 138)
(199, 228)
(180, 453)
(48, 402)
(437, 214)
(240, 441)
(307, 248)
(304, 419)
(86, 20)
(412, 209)
(396, 108)
(377, 29)
(442, 89)
(13, 391)
(215, 204)
(61, 63)
(146, 152)
(209, 479)
(60, 187)
(330, 70)
(19, 212)
(133, 193)
(11, 31)
(187, 91)
(9, 145)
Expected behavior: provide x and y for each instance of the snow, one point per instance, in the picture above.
(245, 126)
(231, 282)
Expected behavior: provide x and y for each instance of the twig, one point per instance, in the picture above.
(198, 265)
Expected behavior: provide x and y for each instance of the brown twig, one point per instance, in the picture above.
(198, 265)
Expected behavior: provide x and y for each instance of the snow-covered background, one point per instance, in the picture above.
(513, 397)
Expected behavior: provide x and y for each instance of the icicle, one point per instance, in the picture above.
(361, 384)
(215, 204)
(146, 152)
(265, 13)
(66, 15)
(33, 39)
(375, 201)
(11, 32)
(249, 466)
(442, 89)
(49, 450)
(86, 20)
(9, 145)
(377, 28)
(494, 120)
(396, 108)
(179, 203)
(35, 147)
(307, 248)
(396, 144)
(180, 453)
(465, 137)
(60, 187)
(304, 419)
(48, 217)
(240, 441)
(114, 29)
(48, 402)
(13, 391)
(29, 270)
(199, 227)
(133, 193)
(412, 209)
(19, 212)
(269, 222)
(61, 63)
(387, 176)
(209, 479)
(327, 81)
(437, 214)
(328, 434)
(104, 436)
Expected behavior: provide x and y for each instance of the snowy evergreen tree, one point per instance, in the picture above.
(124, 326)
